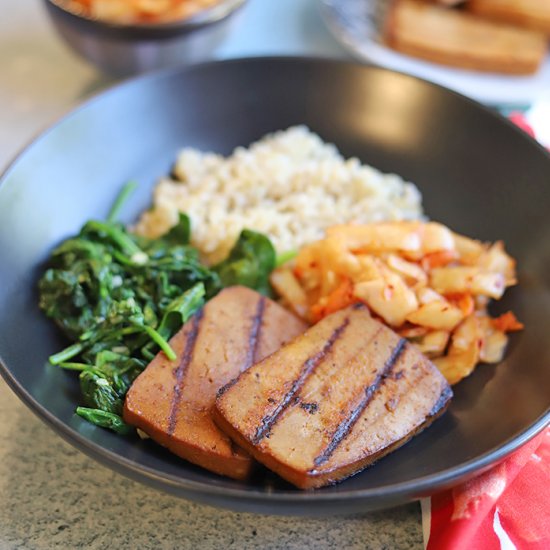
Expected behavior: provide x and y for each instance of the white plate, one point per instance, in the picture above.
(350, 21)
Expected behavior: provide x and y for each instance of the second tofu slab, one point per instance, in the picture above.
(337, 398)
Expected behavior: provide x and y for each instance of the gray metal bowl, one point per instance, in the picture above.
(122, 49)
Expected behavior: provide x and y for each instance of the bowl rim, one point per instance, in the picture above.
(396, 493)
(213, 14)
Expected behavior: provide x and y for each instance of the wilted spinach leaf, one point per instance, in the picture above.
(181, 232)
(98, 391)
(180, 309)
(249, 263)
(104, 419)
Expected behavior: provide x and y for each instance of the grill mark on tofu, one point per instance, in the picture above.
(334, 376)
(182, 368)
(397, 391)
(441, 402)
(345, 427)
(255, 330)
(253, 343)
(308, 367)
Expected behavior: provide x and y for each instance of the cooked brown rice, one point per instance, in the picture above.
(289, 185)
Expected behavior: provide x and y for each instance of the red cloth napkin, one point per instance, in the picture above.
(519, 120)
(506, 508)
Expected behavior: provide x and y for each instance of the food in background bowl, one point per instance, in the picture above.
(138, 11)
(122, 38)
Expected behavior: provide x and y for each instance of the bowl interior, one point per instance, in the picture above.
(478, 174)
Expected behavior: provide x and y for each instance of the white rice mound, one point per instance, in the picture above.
(290, 185)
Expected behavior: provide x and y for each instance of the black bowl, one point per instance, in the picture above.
(478, 174)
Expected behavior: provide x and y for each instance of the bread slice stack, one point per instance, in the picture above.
(530, 14)
(501, 36)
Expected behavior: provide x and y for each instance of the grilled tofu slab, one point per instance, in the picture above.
(345, 393)
(171, 401)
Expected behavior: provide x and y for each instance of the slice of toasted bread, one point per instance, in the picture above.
(531, 14)
(456, 38)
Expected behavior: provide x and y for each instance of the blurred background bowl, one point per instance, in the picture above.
(124, 49)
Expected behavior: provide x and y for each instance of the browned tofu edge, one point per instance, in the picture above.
(239, 466)
(308, 480)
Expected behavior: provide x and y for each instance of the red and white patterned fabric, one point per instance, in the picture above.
(505, 508)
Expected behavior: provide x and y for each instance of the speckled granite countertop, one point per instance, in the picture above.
(53, 496)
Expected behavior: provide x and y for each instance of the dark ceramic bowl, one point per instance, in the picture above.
(477, 172)
(121, 49)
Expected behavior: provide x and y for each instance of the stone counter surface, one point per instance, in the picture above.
(53, 496)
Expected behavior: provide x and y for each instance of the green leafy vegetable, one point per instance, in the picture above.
(249, 263)
(104, 419)
(67, 353)
(180, 309)
(126, 191)
(98, 391)
(181, 232)
(120, 297)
